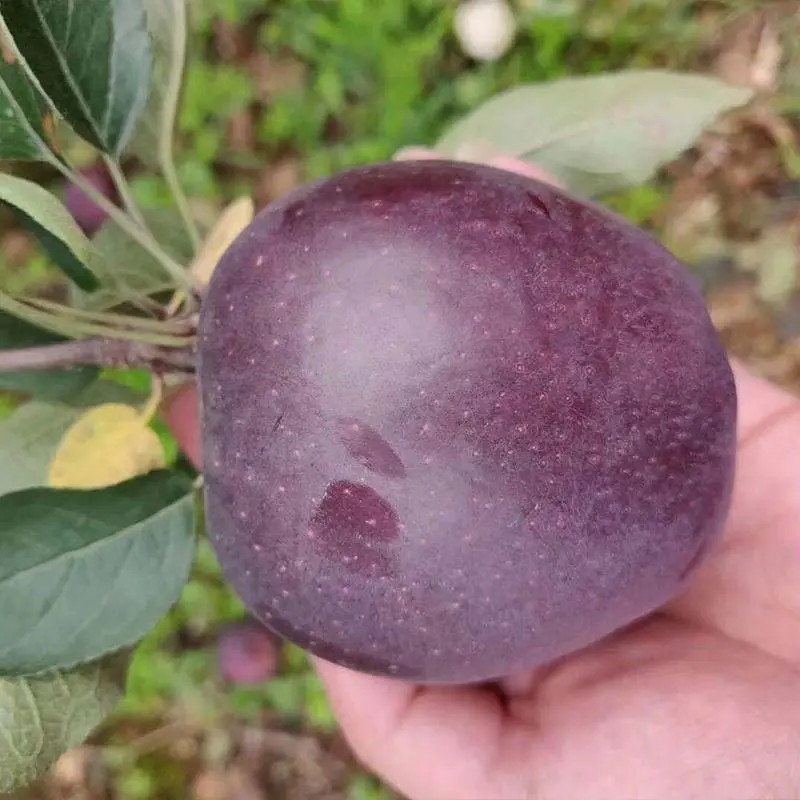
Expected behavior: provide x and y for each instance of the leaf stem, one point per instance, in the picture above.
(139, 235)
(181, 326)
(99, 352)
(79, 329)
(182, 204)
(154, 401)
(124, 189)
(166, 134)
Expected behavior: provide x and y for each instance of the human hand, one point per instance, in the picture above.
(701, 699)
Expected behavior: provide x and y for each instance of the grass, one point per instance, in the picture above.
(378, 77)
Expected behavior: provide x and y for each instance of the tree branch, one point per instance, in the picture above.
(99, 352)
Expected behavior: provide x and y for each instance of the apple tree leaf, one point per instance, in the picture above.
(230, 224)
(167, 25)
(29, 439)
(46, 384)
(25, 121)
(85, 573)
(53, 226)
(92, 58)
(106, 445)
(600, 133)
(126, 267)
(43, 717)
(32, 435)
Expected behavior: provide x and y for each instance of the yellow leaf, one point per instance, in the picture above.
(234, 219)
(107, 445)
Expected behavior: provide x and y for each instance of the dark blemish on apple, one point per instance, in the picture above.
(369, 448)
(539, 205)
(277, 423)
(354, 525)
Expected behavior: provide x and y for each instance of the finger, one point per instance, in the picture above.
(182, 413)
(748, 588)
(657, 711)
(762, 404)
(500, 162)
(415, 153)
(428, 742)
(661, 688)
(523, 168)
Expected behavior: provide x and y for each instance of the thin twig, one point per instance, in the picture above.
(99, 352)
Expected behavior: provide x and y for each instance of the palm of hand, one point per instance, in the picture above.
(702, 700)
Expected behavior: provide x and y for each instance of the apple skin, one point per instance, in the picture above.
(456, 422)
(86, 213)
(248, 653)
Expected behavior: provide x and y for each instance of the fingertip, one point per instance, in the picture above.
(759, 401)
(415, 153)
(181, 411)
(523, 168)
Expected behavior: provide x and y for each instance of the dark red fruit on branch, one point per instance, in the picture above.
(456, 422)
(85, 211)
(248, 654)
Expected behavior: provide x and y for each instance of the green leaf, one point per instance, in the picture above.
(597, 134)
(166, 23)
(53, 226)
(365, 787)
(84, 573)
(47, 384)
(28, 441)
(30, 437)
(42, 718)
(317, 706)
(23, 115)
(92, 59)
(778, 270)
(126, 266)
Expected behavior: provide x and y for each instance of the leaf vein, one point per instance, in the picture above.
(59, 56)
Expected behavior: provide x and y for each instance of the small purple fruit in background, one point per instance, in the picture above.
(458, 423)
(89, 216)
(249, 654)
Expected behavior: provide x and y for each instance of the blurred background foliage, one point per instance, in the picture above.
(279, 92)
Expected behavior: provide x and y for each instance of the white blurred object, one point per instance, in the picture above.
(486, 29)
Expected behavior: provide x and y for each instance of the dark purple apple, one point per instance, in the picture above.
(248, 653)
(456, 422)
(89, 216)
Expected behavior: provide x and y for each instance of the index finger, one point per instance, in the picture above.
(747, 589)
